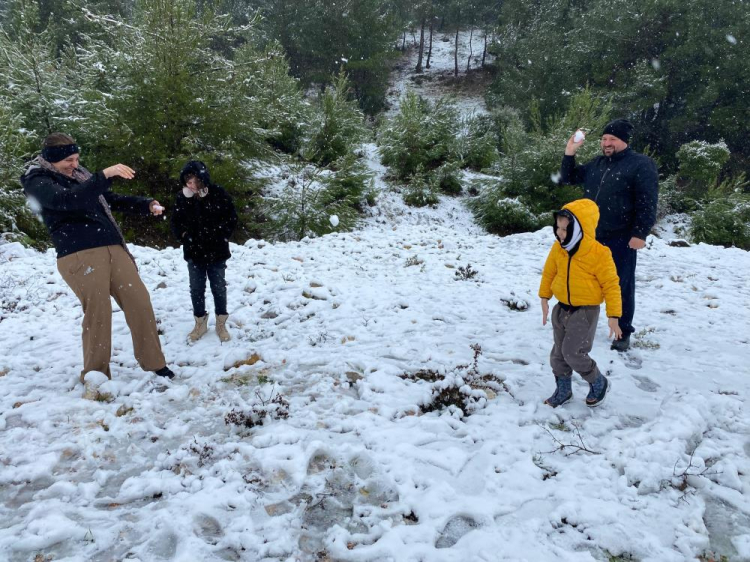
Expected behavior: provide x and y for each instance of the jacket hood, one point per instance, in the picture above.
(197, 168)
(587, 213)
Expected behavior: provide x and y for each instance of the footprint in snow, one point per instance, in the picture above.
(645, 383)
(456, 528)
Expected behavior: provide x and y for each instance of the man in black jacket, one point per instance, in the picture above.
(625, 185)
(203, 219)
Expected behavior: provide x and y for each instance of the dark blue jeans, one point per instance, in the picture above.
(215, 273)
(625, 258)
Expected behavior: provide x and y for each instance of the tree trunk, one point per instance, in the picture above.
(403, 43)
(421, 47)
(468, 60)
(455, 55)
(429, 51)
(484, 52)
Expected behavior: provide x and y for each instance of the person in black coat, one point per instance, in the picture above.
(203, 220)
(625, 185)
(92, 256)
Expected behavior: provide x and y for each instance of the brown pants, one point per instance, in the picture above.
(574, 337)
(94, 275)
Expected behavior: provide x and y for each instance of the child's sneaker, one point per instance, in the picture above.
(598, 391)
(563, 393)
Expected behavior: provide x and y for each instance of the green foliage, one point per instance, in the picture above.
(272, 96)
(723, 222)
(312, 196)
(529, 162)
(447, 179)
(701, 162)
(676, 69)
(16, 221)
(507, 215)
(421, 135)
(319, 36)
(479, 143)
(340, 126)
(697, 181)
(420, 191)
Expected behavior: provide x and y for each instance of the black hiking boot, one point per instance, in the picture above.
(621, 345)
(165, 372)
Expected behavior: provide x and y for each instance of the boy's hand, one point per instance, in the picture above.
(614, 328)
(545, 311)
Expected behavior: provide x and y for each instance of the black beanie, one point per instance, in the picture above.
(620, 128)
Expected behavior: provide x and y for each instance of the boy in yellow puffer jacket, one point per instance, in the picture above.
(580, 273)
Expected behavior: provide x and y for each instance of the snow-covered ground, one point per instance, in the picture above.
(355, 472)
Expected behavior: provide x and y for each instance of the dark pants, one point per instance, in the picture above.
(215, 272)
(625, 258)
(574, 331)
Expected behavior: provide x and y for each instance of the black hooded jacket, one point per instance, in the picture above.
(625, 186)
(72, 212)
(203, 224)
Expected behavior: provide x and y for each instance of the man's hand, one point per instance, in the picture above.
(614, 328)
(545, 311)
(572, 147)
(636, 243)
(155, 208)
(120, 170)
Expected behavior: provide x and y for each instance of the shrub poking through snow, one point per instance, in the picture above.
(465, 273)
(515, 303)
(275, 407)
(461, 391)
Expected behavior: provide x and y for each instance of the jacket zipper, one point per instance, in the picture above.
(570, 258)
(601, 181)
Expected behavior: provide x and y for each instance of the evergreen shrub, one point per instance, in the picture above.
(420, 192)
(340, 126)
(447, 179)
(479, 143)
(528, 188)
(421, 135)
(723, 222)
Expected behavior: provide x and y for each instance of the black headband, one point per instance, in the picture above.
(57, 153)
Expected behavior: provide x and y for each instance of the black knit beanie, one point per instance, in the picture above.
(620, 128)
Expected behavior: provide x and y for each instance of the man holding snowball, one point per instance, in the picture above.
(625, 186)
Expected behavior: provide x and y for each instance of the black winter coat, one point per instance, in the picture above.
(626, 188)
(204, 225)
(72, 212)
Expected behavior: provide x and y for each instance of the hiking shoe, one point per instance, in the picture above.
(221, 327)
(165, 372)
(621, 345)
(598, 391)
(200, 328)
(563, 393)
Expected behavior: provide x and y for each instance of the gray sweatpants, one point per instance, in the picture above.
(574, 337)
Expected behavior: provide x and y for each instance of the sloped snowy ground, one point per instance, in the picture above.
(355, 473)
(438, 80)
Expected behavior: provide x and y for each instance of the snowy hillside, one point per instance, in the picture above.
(340, 347)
